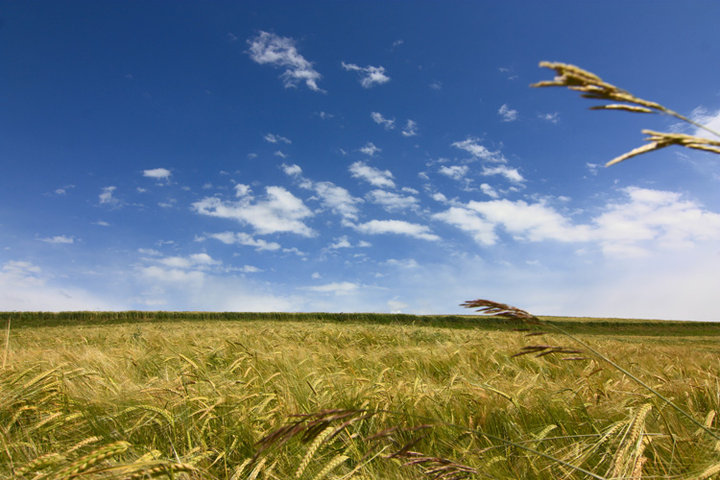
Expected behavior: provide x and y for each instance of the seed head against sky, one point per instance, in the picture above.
(354, 156)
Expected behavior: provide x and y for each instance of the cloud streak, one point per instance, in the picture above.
(279, 212)
(280, 52)
(369, 76)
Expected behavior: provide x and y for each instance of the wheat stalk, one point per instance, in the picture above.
(7, 344)
(93, 458)
(593, 87)
(501, 309)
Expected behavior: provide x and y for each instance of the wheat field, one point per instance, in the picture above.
(196, 396)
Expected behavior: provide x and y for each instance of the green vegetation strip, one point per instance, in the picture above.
(590, 326)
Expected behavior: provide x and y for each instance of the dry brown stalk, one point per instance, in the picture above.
(542, 350)
(497, 309)
(436, 467)
(309, 425)
(593, 87)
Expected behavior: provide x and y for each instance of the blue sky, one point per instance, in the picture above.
(354, 156)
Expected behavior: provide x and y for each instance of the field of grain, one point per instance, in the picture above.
(271, 396)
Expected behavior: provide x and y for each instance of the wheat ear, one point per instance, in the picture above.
(593, 87)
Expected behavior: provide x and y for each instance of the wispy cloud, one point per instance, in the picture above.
(270, 49)
(336, 288)
(337, 199)
(512, 174)
(331, 196)
(272, 138)
(107, 196)
(63, 190)
(489, 190)
(157, 173)
(372, 175)
(553, 117)
(473, 147)
(242, 238)
(369, 76)
(391, 201)
(456, 172)
(708, 118)
(397, 227)
(410, 129)
(378, 118)
(196, 260)
(507, 114)
(280, 211)
(370, 149)
(59, 239)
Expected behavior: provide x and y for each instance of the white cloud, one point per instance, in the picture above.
(456, 172)
(196, 260)
(281, 211)
(705, 117)
(292, 170)
(511, 174)
(280, 154)
(533, 222)
(331, 196)
(25, 287)
(378, 118)
(157, 173)
(397, 227)
(553, 117)
(507, 114)
(489, 191)
(63, 190)
(468, 221)
(250, 269)
(372, 175)
(370, 75)
(406, 263)
(370, 149)
(59, 239)
(654, 218)
(272, 138)
(242, 190)
(474, 148)
(593, 167)
(158, 274)
(242, 238)
(392, 201)
(270, 49)
(439, 197)
(337, 288)
(436, 85)
(338, 199)
(410, 129)
(341, 242)
(107, 196)
(645, 221)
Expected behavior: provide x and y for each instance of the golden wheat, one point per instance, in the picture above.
(593, 87)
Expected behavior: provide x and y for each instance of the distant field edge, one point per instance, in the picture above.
(603, 326)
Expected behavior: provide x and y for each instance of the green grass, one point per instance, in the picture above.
(190, 395)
